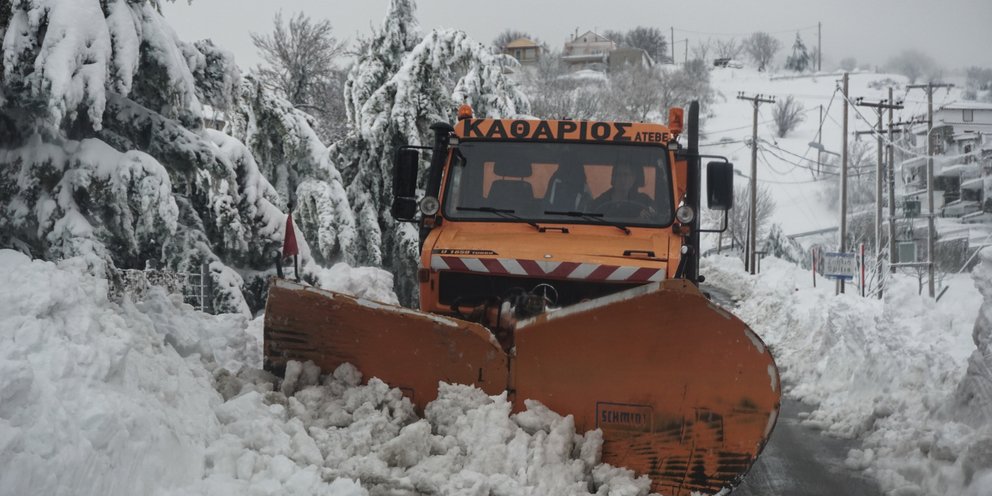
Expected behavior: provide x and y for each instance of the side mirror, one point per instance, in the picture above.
(719, 185)
(405, 184)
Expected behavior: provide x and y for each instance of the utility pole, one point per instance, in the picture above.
(931, 231)
(819, 139)
(890, 149)
(819, 48)
(843, 183)
(756, 101)
(896, 127)
(879, 174)
(673, 44)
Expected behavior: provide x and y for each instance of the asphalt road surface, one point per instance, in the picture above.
(800, 460)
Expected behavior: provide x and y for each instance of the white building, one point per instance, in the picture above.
(588, 51)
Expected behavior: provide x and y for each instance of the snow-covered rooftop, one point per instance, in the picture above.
(956, 170)
(966, 136)
(975, 184)
(522, 43)
(966, 105)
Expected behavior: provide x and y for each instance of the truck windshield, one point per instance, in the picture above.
(574, 183)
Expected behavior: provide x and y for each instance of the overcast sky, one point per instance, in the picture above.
(957, 33)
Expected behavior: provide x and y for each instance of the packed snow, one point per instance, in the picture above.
(883, 373)
(152, 397)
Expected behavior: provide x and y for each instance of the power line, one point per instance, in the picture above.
(907, 151)
(801, 203)
(728, 33)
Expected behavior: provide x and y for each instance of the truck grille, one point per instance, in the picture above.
(473, 289)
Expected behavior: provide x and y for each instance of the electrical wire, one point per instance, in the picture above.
(907, 151)
(727, 33)
(804, 208)
(794, 164)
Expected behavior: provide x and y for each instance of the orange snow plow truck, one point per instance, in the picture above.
(559, 263)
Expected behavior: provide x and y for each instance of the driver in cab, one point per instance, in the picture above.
(623, 199)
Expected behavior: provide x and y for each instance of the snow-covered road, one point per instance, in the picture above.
(801, 460)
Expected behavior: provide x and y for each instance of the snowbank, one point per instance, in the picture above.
(155, 398)
(884, 372)
(92, 401)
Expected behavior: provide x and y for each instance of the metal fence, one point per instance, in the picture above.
(195, 288)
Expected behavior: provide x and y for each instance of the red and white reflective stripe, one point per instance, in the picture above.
(555, 270)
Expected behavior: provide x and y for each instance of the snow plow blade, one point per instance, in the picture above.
(682, 390)
(406, 349)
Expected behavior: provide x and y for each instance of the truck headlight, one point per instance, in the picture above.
(429, 205)
(685, 214)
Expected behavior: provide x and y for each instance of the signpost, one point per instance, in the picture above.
(840, 266)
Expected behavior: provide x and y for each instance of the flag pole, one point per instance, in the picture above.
(289, 245)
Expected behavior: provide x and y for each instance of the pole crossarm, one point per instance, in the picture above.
(756, 99)
(879, 105)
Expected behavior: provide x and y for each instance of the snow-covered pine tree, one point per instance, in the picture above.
(800, 59)
(399, 87)
(104, 153)
(290, 154)
(778, 245)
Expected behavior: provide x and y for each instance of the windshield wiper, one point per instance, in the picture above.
(504, 212)
(594, 217)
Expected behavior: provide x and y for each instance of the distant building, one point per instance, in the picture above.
(526, 51)
(588, 51)
(966, 117)
(962, 161)
(627, 57)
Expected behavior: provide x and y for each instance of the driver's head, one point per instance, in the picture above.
(626, 177)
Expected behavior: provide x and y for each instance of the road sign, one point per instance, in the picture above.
(840, 265)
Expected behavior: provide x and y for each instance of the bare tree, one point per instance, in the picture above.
(651, 40)
(617, 37)
(701, 49)
(762, 48)
(848, 63)
(861, 175)
(978, 85)
(555, 94)
(787, 113)
(634, 94)
(737, 217)
(299, 65)
(509, 35)
(729, 49)
(914, 64)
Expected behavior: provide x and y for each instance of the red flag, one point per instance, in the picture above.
(289, 247)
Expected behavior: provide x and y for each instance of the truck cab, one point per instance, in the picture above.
(567, 210)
